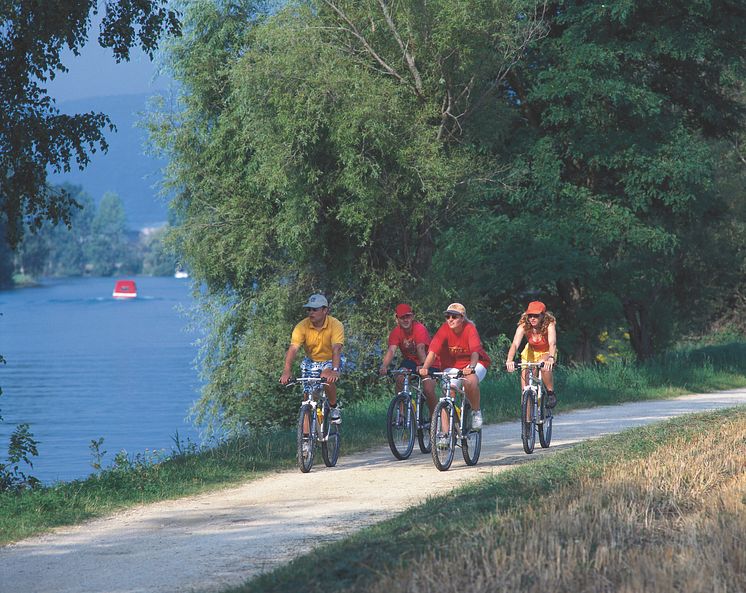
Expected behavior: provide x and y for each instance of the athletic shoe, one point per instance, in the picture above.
(306, 448)
(551, 400)
(443, 441)
(335, 415)
(476, 420)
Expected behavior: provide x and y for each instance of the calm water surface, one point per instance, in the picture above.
(81, 365)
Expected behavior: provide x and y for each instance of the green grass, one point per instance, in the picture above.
(436, 527)
(140, 480)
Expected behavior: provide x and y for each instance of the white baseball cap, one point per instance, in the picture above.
(317, 300)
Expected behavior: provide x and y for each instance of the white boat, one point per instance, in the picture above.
(181, 274)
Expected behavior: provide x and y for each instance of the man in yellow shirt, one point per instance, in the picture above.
(322, 337)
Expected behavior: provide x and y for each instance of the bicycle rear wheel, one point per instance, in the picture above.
(400, 426)
(528, 432)
(332, 439)
(471, 441)
(423, 426)
(443, 435)
(545, 428)
(306, 444)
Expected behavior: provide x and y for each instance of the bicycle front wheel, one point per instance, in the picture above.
(400, 426)
(545, 428)
(423, 426)
(528, 432)
(306, 444)
(443, 435)
(471, 440)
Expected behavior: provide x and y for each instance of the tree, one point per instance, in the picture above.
(613, 166)
(316, 151)
(34, 136)
(107, 246)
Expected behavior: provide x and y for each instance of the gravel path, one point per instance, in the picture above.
(209, 542)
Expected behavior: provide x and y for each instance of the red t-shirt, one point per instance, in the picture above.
(455, 350)
(407, 343)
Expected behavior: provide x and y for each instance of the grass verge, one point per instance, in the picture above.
(656, 508)
(184, 473)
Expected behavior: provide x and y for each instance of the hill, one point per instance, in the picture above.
(125, 168)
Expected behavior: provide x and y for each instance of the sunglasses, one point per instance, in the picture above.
(314, 309)
(406, 316)
(453, 316)
(534, 315)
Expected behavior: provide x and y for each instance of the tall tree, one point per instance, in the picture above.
(34, 135)
(614, 168)
(322, 148)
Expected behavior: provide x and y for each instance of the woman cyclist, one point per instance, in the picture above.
(539, 327)
(459, 346)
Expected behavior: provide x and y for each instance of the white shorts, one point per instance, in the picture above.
(480, 371)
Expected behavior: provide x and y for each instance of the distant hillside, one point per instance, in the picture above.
(124, 169)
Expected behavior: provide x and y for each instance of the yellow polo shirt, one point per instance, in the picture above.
(318, 342)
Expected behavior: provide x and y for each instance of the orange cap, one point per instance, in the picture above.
(536, 308)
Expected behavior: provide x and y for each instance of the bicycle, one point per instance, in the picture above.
(315, 426)
(455, 430)
(535, 416)
(408, 415)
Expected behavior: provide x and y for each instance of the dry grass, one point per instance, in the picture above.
(673, 522)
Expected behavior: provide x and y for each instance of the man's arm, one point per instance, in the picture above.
(330, 374)
(289, 358)
(387, 358)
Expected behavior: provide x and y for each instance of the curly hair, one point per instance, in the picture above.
(547, 319)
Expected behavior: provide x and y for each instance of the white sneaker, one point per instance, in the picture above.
(443, 441)
(476, 420)
(335, 415)
(306, 448)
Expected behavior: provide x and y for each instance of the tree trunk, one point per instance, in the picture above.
(640, 330)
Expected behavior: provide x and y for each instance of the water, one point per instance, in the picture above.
(82, 365)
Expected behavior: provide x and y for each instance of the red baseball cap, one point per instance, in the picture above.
(403, 309)
(536, 308)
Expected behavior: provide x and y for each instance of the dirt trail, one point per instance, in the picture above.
(209, 542)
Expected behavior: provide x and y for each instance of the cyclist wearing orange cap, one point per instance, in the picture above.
(459, 346)
(539, 327)
(412, 339)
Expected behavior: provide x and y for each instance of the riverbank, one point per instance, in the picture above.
(653, 508)
(187, 471)
(218, 540)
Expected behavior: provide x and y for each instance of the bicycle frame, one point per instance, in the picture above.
(536, 384)
(540, 419)
(416, 394)
(457, 431)
(315, 399)
(449, 391)
(407, 417)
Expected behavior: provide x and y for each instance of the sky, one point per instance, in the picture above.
(95, 73)
(96, 82)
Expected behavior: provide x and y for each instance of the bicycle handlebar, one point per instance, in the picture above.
(457, 375)
(301, 380)
(519, 365)
(401, 371)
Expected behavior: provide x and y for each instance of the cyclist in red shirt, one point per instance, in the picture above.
(539, 327)
(459, 346)
(412, 339)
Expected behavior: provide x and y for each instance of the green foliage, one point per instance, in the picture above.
(21, 448)
(34, 135)
(490, 152)
(97, 242)
(309, 159)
